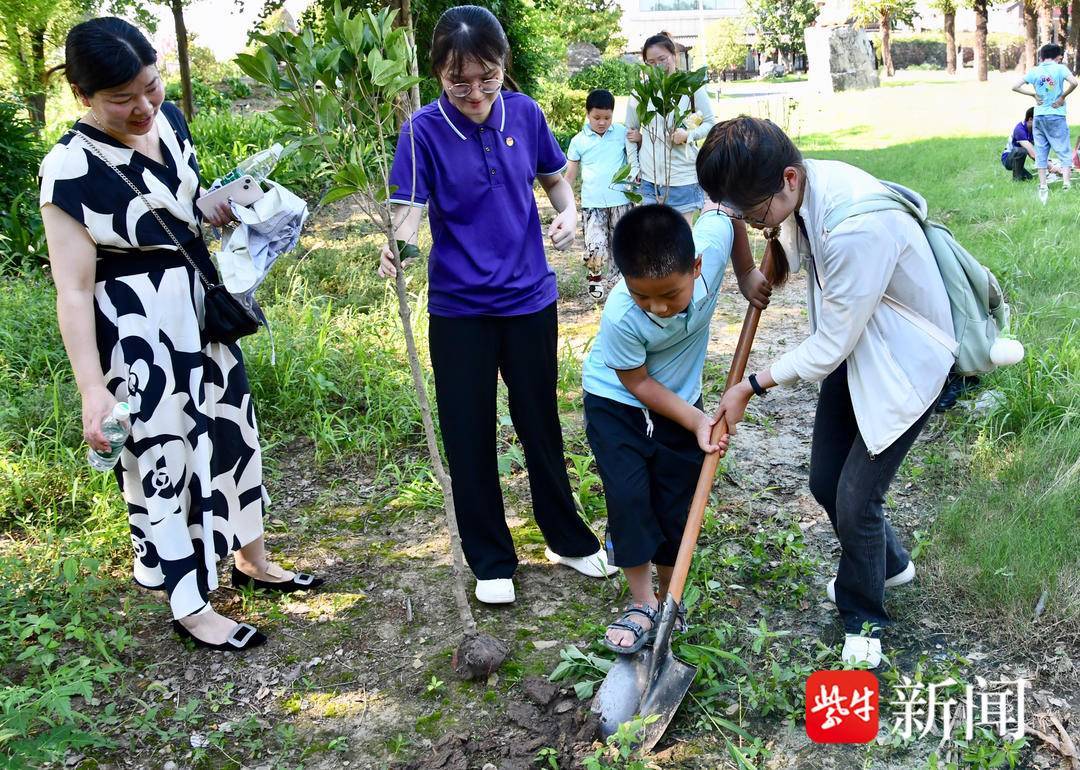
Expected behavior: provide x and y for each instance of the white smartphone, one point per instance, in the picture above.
(244, 191)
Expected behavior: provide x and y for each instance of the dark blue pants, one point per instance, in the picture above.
(851, 487)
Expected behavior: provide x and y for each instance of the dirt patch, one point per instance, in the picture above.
(546, 718)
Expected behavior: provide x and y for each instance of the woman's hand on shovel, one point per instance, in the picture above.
(733, 404)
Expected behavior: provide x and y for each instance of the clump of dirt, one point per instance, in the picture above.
(548, 718)
(479, 656)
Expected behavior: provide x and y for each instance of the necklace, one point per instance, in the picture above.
(132, 142)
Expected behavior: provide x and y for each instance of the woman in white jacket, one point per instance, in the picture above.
(664, 163)
(880, 373)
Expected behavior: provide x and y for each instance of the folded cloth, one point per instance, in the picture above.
(267, 229)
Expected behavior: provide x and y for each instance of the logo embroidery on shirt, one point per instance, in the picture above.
(509, 141)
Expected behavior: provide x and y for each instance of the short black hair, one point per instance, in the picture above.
(1049, 51)
(653, 241)
(104, 53)
(599, 99)
(1030, 114)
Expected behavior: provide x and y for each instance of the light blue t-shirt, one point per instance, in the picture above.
(673, 349)
(601, 157)
(1048, 80)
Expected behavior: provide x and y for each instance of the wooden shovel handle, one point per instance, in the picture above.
(708, 468)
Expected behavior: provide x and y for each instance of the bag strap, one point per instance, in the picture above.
(101, 156)
(894, 202)
(932, 330)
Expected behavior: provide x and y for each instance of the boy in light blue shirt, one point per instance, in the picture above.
(644, 416)
(1050, 83)
(600, 151)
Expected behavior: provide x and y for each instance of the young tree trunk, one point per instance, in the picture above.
(980, 38)
(1031, 33)
(186, 104)
(1061, 25)
(1046, 21)
(886, 51)
(950, 42)
(457, 560)
(35, 102)
(1074, 33)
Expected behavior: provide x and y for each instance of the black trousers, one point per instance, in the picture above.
(467, 355)
(1015, 161)
(850, 485)
(649, 474)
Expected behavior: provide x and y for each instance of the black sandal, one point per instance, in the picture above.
(641, 635)
(681, 624)
(243, 637)
(301, 581)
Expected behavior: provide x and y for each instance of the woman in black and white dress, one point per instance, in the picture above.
(130, 310)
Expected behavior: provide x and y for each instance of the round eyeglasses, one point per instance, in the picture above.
(734, 213)
(462, 90)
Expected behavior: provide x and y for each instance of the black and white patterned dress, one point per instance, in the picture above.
(191, 472)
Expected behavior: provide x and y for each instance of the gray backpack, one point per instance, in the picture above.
(979, 311)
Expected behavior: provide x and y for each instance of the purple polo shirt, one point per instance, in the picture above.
(487, 256)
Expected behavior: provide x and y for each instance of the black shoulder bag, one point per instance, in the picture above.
(225, 319)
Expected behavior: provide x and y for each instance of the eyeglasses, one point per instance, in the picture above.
(461, 90)
(657, 61)
(734, 213)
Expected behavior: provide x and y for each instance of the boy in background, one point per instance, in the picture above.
(599, 150)
(1050, 83)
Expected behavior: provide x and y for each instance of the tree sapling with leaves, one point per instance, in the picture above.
(673, 111)
(471, 158)
(361, 63)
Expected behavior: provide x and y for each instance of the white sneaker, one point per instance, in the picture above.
(861, 649)
(1052, 177)
(495, 591)
(593, 566)
(1044, 194)
(906, 575)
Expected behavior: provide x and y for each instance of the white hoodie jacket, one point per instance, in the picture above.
(895, 370)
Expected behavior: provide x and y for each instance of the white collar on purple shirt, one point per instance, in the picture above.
(502, 116)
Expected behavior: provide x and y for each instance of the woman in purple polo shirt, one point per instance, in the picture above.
(471, 159)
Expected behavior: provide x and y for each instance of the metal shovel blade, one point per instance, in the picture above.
(649, 682)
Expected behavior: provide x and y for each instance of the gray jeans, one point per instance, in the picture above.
(851, 485)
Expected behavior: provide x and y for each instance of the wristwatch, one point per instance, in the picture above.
(758, 390)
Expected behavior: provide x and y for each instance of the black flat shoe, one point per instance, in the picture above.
(243, 637)
(301, 581)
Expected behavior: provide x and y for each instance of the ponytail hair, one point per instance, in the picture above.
(469, 32)
(741, 163)
(104, 53)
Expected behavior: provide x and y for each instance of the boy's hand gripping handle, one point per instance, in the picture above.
(708, 468)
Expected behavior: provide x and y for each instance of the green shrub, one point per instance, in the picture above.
(615, 74)
(223, 139)
(236, 87)
(564, 108)
(22, 239)
(923, 51)
(20, 153)
(206, 97)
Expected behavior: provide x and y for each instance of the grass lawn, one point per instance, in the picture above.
(995, 491)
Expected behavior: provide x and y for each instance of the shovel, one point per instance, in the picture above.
(653, 682)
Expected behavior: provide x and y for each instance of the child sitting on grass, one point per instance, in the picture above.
(600, 151)
(642, 379)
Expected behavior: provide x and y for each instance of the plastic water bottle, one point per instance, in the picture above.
(257, 166)
(116, 428)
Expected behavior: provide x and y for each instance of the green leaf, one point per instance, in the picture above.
(336, 194)
(584, 689)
